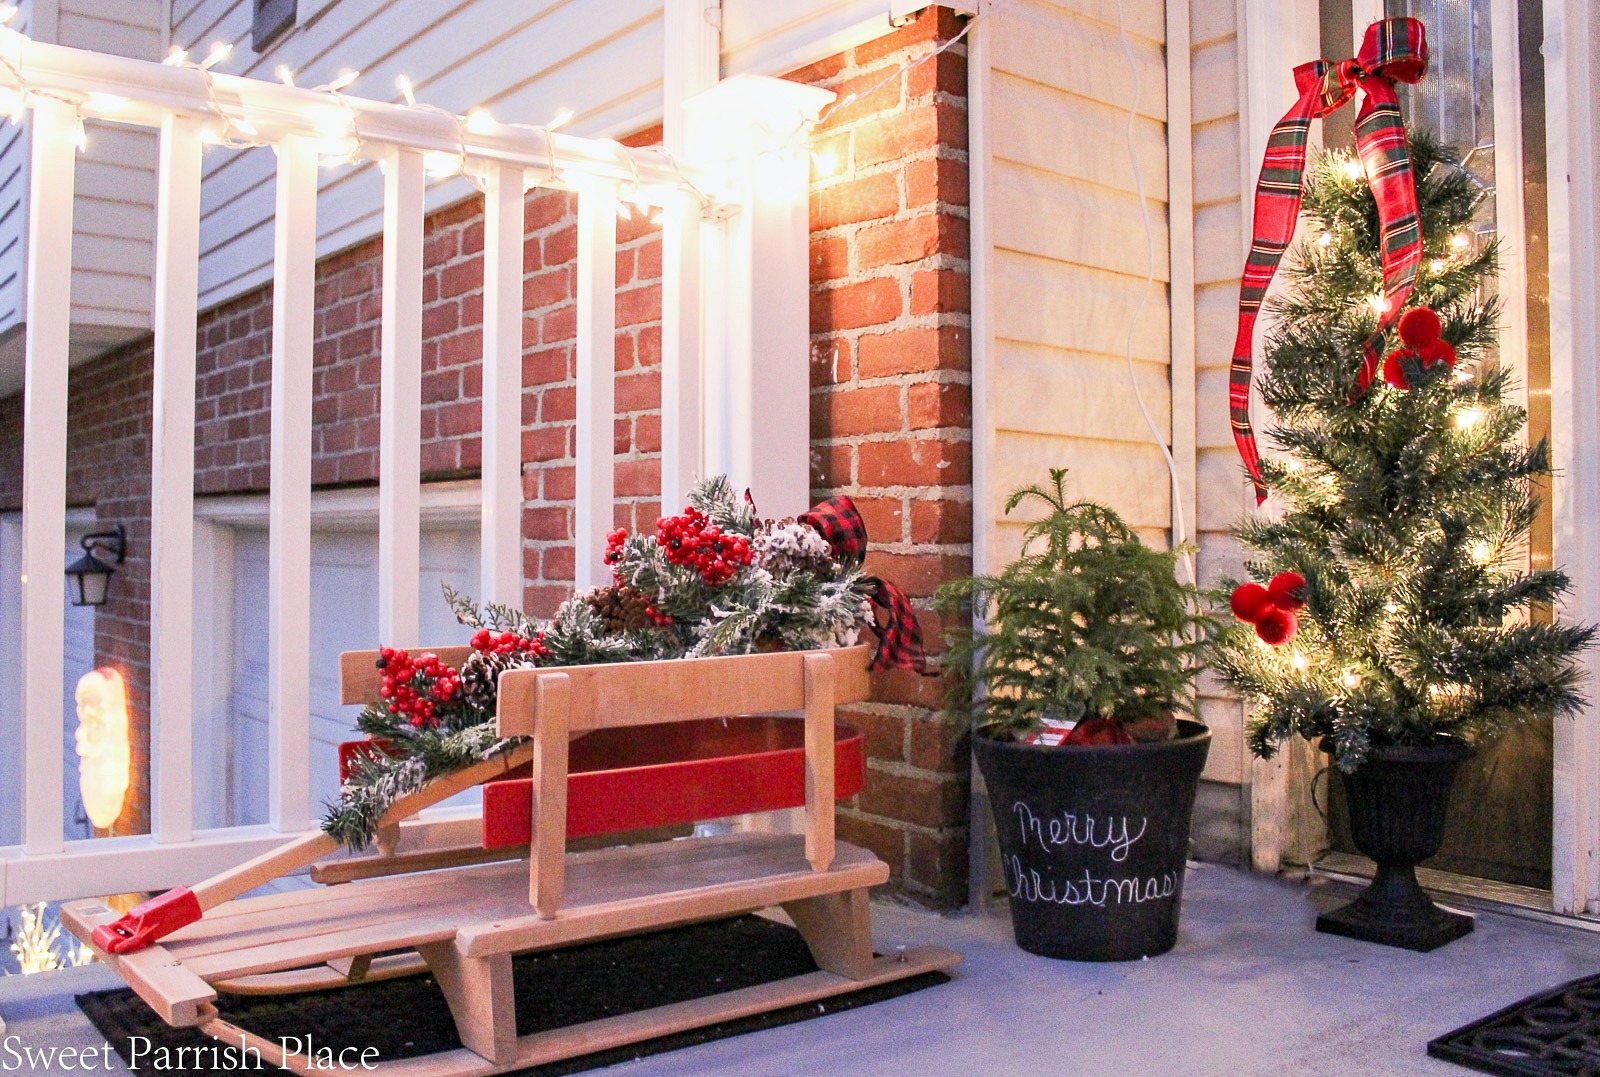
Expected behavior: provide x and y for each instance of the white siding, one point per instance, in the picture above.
(14, 203)
(1067, 259)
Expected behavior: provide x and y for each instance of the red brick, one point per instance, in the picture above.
(635, 306)
(561, 247)
(847, 412)
(940, 292)
(637, 478)
(939, 404)
(830, 258)
(830, 362)
(460, 278)
(885, 733)
(547, 288)
(831, 466)
(862, 199)
(897, 242)
(639, 392)
(938, 522)
(917, 573)
(891, 138)
(913, 351)
(547, 522)
(914, 463)
(882, 839)
(556, 563)
(884, 517)
(935, 746)
(938, 179)
(938, 866)
(854, 306)
(558, 405)
(930, 801)
(647, 434)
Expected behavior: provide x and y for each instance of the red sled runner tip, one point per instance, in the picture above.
(145, 923)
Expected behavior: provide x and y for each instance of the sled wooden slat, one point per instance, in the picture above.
(176, 992)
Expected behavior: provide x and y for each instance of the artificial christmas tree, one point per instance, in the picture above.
(1405, 506)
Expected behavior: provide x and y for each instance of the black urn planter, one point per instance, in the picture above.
(1094, 840)
(1397, 800)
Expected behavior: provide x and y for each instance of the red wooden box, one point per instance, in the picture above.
(677, 772)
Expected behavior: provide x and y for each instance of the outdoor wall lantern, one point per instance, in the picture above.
(89, 578)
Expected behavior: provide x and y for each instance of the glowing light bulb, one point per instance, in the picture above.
(1463, 374)
(1351, 679)
(1482, 553)
(1437, 265)
(1353, 168)
(1459, 240)
(343, 79)
(1379, 303)
(623, 212)
(1299, 661)
(559, 120)
(285, 74)
(824, 163)
(480, 122)
(1325, 239)
(1292, 465)
(1469, 418)
(105, 103)
(659, 219)
(177, 57)
(219, 52)
(80, 138)
(1327, 480)
(441, 165)
(1391, 607)
(407, 90)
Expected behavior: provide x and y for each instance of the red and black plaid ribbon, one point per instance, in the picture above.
(899, 636)
(1394, 50)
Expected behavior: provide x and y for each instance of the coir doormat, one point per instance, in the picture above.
(1554, 1034)
(405, 1018)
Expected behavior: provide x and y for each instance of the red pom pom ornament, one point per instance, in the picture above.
(1277, 627)
(1249, 602)
(1420, 327)
(1284, 590)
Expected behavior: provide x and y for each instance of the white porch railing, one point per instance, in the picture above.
(751, 346)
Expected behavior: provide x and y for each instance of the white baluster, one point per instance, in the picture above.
(400, 420)
(500, 574)
(44, 469)
(681, 370)
(596, 405)
(172, 481)
(289, 544)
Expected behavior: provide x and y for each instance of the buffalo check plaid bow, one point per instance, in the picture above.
(1394, 50)
(899, 637)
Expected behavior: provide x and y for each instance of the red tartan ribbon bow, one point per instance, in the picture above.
(899, 637)
(1394, 50)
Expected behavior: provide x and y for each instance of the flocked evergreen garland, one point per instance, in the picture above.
(715, 580)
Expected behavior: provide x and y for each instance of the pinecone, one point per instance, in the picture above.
(622, 609)
(480, 676)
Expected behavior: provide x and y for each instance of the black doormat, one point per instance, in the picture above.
(1545, 1035)
(408, 1017)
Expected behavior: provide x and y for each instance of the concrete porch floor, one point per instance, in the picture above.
(1251, 989)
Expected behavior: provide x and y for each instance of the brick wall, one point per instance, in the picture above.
(890, 405)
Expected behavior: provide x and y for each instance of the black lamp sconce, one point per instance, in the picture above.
(89, 578)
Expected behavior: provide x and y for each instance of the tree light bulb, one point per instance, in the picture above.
(1482, 552)
(407, 91)
(1380, 303)
(1437, 265)
(1327, 480)
(1351, 679)
(480, 122)
(1459, 240)
(1391, 607)
(1353, 168)
(1325, 239)
(1299, 661)
(1469, 418)
(1463, 374)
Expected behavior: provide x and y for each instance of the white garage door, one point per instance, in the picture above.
(344, 617)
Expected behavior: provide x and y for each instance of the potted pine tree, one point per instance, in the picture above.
(1400, 628)
(1090, 627)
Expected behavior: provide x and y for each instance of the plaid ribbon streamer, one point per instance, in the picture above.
(899, 637)
(1394, 50)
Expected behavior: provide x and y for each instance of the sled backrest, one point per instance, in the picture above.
(550, 704)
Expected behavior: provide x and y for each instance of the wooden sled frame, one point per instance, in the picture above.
(467, 923)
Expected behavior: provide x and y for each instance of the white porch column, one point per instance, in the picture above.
(758, 319)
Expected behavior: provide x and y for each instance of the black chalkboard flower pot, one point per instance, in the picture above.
(1088, 626)
(1094, 839)
(1397, 799)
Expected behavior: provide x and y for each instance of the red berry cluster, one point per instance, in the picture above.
(614, 541)
(508, 643)
(657, 618)
(416, 687)
(692, 539)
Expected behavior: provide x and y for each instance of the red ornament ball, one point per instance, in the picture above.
(1250, 601)
(1394, 372)
(1277, 627)
(1284, 589)
(1420, 327)
(1440, 351)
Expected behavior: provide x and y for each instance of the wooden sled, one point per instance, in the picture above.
(464, 920)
